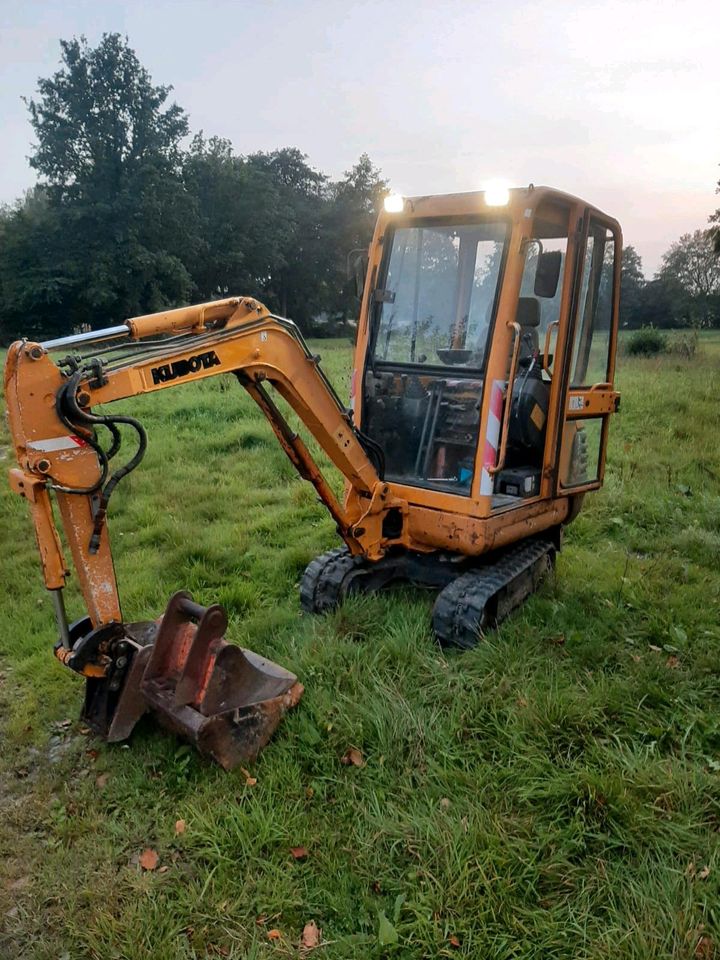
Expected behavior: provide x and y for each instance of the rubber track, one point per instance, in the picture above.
(321, 584)
(459, 613)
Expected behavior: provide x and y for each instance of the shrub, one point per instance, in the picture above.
(646, 342)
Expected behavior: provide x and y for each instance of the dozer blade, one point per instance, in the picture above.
(226, 700)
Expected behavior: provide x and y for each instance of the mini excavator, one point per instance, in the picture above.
(482, 389)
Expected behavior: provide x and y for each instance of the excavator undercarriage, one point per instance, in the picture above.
(473, 595)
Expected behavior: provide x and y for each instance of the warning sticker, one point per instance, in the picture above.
(576, 403)
(538, 417)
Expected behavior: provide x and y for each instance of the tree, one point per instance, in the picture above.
(656, 307)
(355, 202)
(298, 286)
(36, 273)
(693, 263)
(632, 283)
(100, 121)
(108, 150)
(244, 230)
(691, 272)
(715, 230)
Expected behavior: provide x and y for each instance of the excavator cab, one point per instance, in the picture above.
(482, 391)
(486, 346)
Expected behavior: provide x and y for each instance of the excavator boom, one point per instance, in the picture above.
(226, 700)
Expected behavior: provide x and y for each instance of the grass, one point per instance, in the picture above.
(553, 794)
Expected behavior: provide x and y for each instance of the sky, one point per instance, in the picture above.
(616, 102)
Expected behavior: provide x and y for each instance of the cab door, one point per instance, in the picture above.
(588, 397)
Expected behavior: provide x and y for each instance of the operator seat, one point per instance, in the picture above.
(528, 316)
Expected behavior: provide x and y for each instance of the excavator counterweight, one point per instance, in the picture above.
(482, 391)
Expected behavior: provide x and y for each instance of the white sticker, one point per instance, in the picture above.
(576, 403)
(263, 336)
(57, 443)
(528, 213)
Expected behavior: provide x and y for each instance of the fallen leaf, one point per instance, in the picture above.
(93, 754)
(704, 873)
(311, 936)
(101, 781)
(704, 949)
(454, 942)
(636, 658)
(672, 662)
(309, 793)
(163, 869)
(249, 781)
(179, 827)
(261, 919)
(521, 702)
(654, 648)
(148, 859)
(299, 853)
(444, 804)
(558, 641)
(352, 757)
(273, 934)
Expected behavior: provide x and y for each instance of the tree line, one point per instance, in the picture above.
(127, 219)
(685, 291)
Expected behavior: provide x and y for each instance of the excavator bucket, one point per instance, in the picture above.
(226, 700)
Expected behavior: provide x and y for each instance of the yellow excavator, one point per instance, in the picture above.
(482, 389)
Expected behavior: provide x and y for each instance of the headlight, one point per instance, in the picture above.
(394, 203)
(497, 193)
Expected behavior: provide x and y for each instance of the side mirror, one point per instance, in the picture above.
(547, 273)
(357, 264)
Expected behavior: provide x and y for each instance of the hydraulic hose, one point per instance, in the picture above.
(73, 414)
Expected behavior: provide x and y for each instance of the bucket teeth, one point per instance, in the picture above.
(226, 700)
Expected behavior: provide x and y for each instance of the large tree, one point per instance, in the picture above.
(690, 270)
(100, 121)
(108, 151)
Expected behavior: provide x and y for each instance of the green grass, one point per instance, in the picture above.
(553, 794)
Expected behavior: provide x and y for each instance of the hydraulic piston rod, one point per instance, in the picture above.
(92, 336)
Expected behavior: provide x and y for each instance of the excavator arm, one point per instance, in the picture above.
(58, 447)
(65, 441)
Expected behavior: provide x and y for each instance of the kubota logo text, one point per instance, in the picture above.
(181, 368)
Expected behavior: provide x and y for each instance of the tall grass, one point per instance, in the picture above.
(554, 793)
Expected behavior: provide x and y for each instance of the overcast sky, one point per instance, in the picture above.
(617, 102)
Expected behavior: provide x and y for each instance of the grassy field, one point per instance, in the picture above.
(553, 794)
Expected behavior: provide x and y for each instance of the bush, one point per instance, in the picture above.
(646, 342)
